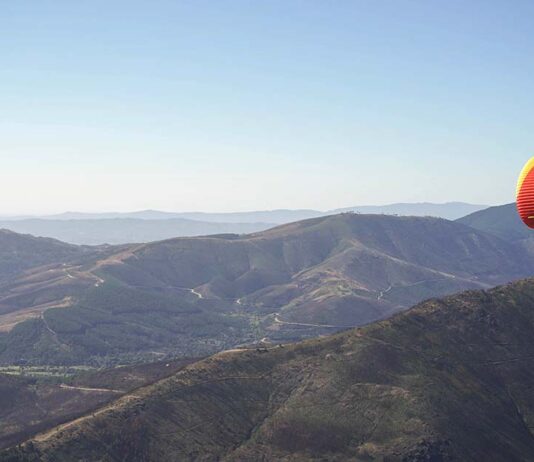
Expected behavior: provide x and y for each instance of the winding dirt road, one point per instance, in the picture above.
(99, 390)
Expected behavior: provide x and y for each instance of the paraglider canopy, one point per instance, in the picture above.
(525, 194)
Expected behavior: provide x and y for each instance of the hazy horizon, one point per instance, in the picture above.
(222, 212)
(238, 106)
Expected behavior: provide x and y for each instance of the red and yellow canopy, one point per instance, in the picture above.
(525, 194)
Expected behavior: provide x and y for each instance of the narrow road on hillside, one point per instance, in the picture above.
(50, 433)
(188, 289)
(99, 280)
(384, 292)
(70, 276)
(404, 286)
(47, 327)
(100, 390)
(194, 292)
(279, 321)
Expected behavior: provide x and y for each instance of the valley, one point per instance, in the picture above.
(96, 332)
(446, 380)
(197, 296)
(249, 231)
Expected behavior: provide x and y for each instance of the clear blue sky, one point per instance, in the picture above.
(240, 105)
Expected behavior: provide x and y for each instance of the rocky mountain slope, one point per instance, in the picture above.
(20, 252)
(34, 399)
(447, 380)
(195, 296)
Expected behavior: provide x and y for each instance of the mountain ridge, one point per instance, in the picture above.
(153, 225)
(502, 221)
(291, 282)
(445, 380)
(20, 252)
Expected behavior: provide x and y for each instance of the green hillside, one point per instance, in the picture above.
(448, 380)
(196, 296)
(20, 252)
(33, 399)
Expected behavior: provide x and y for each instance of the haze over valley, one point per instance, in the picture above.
(283, 231)
(446, 367)
(67, 310)
(194, 296)
(153, 225)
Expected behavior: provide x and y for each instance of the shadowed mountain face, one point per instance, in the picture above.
(448, 380)
(502, 221)
(307, 269)
(195, 296)
(32, 400)
(21, 252)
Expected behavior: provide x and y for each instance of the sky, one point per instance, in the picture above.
(247, 105)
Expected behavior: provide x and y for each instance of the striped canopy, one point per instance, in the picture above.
(525, 194)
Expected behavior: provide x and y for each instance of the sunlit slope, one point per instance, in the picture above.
(447, 380)
(37, 398)
(196, 296)
(305, 269)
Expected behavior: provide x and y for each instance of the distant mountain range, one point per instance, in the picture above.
(193, 296)
(94, 231)
(447, 380)
(153, 225)
(268, 216)
(451, 379)
(449, 210)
